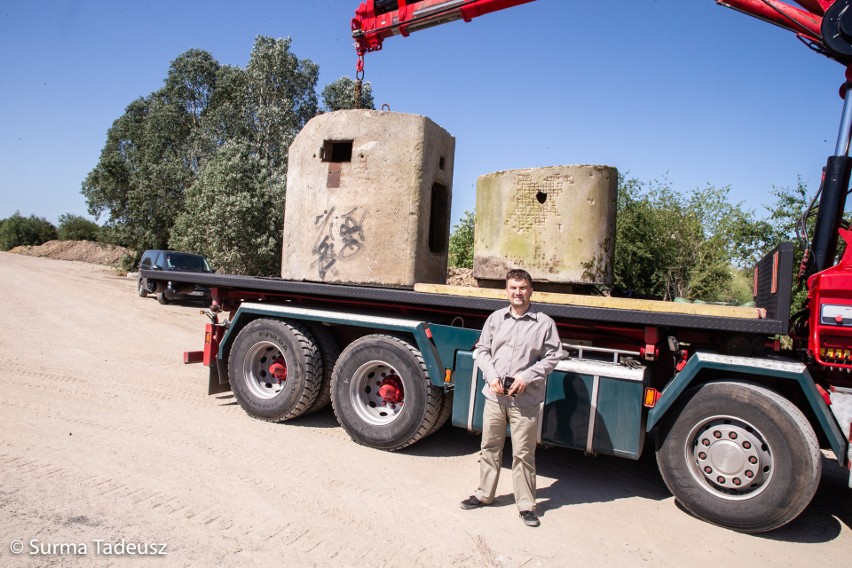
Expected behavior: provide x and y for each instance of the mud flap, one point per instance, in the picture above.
(215, 385)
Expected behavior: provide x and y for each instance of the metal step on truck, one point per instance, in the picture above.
(362, 319)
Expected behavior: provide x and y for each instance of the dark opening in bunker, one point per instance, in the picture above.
(541, 197)
(439, 216)
(337, 151)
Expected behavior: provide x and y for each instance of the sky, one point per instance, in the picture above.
(678, 90)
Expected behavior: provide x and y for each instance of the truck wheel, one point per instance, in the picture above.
(444, 413)
(740, 456)
(161, 297)
(330, 351)
(143, 293)
(381, 393)
(275, 370)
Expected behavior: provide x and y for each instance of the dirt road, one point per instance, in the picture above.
(109, 445)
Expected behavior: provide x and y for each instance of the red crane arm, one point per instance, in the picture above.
(376, 20)
(825, 24)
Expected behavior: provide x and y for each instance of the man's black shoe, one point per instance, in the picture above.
(471, 503)
(530, 518)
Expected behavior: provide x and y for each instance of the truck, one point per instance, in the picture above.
(738, 423)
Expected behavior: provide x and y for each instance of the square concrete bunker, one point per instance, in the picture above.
(368, 200)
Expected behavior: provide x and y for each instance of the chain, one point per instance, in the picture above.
(359, 78)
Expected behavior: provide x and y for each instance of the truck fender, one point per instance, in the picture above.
(754, 367)
(414, 328)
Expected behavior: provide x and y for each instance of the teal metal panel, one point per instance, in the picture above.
(618, 426)
(573, 391)
(566, 411)
(728, 366)
(449, 340)
(478, 403)
(462, 377)
(597, 400)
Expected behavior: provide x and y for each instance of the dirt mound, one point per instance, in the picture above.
(461, 277)
(83, 251)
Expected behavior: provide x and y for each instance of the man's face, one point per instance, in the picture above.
(519, 293)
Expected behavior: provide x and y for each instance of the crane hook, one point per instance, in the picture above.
(359, 77)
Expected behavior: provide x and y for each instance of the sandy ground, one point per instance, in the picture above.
(107, 438)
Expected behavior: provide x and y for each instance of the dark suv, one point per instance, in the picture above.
(173, 261)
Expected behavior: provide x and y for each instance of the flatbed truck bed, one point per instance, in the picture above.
(460, 301)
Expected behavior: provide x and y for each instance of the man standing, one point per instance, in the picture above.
(520, 343)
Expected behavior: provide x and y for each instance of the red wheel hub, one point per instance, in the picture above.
(391, 390)
(278, 369)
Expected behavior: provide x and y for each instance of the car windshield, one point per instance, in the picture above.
(192, 262)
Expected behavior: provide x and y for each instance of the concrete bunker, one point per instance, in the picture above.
(369, 195)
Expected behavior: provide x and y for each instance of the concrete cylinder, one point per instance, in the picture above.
(557, 223)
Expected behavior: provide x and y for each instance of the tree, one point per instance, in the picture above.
(461, 242)
(281, 98)
(789, 215)
(669, 246)
(77, 228)
(340, 95)
(234, 214)
(655, 240)
(234, 211)
(18, 231)
(203, 116)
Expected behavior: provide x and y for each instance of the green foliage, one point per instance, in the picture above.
(234, 210)
(18, 231)
(668, 245)
(741, 287)
(784, 215)
(77, 228)
(237, 214)
(166, 153)
(144, 168)
(340, 95)
(281, 98)
(461, 242)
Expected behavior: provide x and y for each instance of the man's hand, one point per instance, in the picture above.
(518, 387)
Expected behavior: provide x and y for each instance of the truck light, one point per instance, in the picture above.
(651, 397)
(207, 337)
(448, 376)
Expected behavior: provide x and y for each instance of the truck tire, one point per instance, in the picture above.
(741, 456)
(161, 297)
(330, 351)
(382, 395)
(143, 293)
(444, 413)
(265, 347)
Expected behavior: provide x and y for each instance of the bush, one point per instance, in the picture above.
(19, 231)
(461, 242)
(76, 228)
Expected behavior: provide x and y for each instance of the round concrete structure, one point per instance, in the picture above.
(558, 223)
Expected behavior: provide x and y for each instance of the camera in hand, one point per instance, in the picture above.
(507, 383)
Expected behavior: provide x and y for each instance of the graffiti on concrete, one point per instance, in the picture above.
(339, 238)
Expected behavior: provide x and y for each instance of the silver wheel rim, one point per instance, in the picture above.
(260, 382)
(729, 458)
(364, 392)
